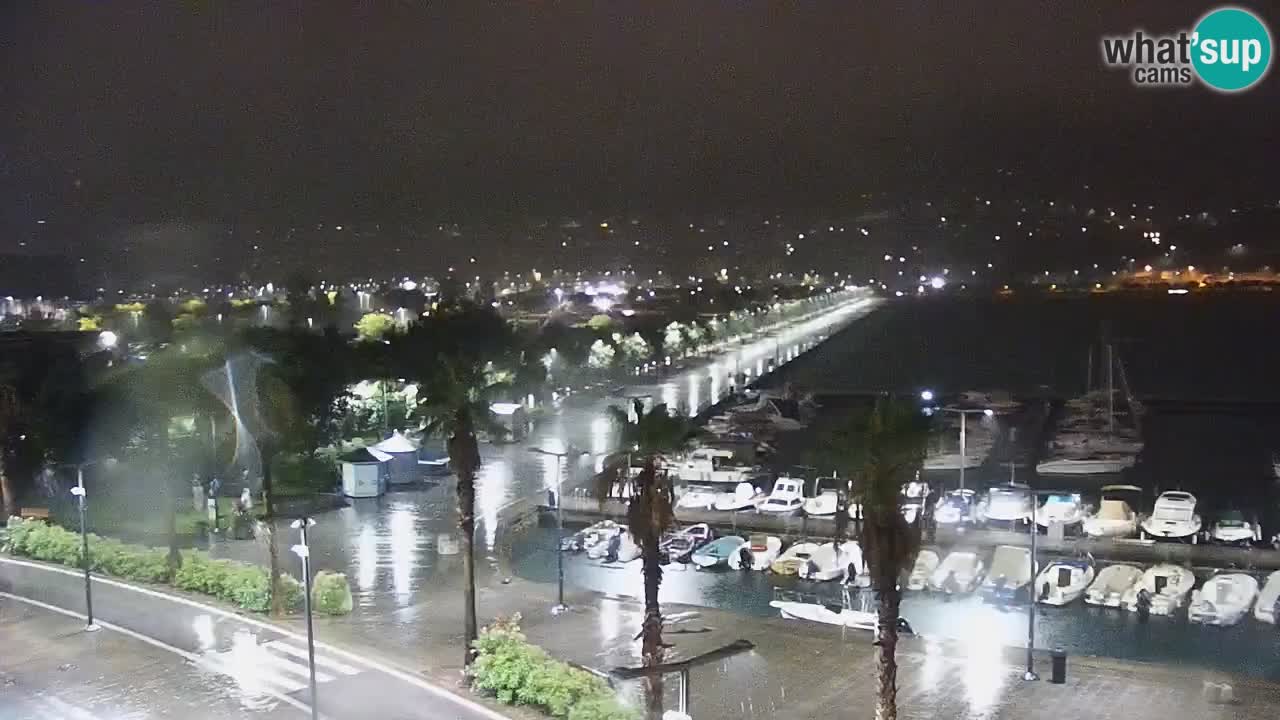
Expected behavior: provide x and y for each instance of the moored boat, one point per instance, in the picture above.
(1166, 586)
(1223, 599)
(718, 551)
(1063, 581)
(1110, 585)
(958, 573)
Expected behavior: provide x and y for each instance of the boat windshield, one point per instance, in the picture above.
(1232, 518)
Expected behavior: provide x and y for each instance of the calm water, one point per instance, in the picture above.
(1217, 352)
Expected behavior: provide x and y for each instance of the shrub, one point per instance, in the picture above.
(518, 673)
(331, 594)
(243, 585)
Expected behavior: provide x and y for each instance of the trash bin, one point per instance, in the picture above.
(1059, 675)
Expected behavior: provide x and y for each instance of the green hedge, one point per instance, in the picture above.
(508, 667)
(331, 593)
(243, 585)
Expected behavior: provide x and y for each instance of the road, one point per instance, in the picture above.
(159, 655)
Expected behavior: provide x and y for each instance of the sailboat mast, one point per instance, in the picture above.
(1111, 395)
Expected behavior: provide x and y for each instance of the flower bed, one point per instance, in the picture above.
(508, 667)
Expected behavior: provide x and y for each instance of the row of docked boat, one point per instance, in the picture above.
(1163, 589)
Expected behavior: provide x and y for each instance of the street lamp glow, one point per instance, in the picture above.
(937, 282)
(989, 412)
(108, 339)
(926, 395)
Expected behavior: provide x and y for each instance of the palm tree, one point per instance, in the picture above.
(456, 407)
(650, 513)
(884, 448)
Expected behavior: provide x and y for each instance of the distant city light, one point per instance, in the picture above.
(926, 395)
(937, 282)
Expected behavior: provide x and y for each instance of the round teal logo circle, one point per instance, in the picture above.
(1231, 49)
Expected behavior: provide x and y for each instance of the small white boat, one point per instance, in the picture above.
(1232, 528)
(1267, 608)
(589, 536)
(1062, 581)
(1166, 585)
(958, 573)
(1112, 582)
(762, 551)
(925, 565)
(718, 551)
(1060, 508)
(1114, 517)
(1005, 504)
(698, 497)
(955, 508)
(826, 498)
(1223, 599)
(744, 496)
(834, 615)
(1009, 574)
(1174, 516)
(830, 563)
(787, 497)
(678, 546)
(790, 561)
(617, 547)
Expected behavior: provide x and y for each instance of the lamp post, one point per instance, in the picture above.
(1030, 674)
(559, 456)
(304, 552)
(79, 492)
(963, 413)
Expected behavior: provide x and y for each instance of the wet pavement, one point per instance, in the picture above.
(50, 669)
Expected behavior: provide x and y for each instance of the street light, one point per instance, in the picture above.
(559, 456)
(79, 492)
(304, 552)
(108, 339)
(963, 413)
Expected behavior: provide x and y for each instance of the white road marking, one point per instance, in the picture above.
(321, 660)
(288, 665)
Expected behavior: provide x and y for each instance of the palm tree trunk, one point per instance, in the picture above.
(651, 629)
(273, 547)
(467, 525)
(890, 598)
(8, 499)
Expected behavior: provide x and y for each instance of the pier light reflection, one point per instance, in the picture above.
(601, 428)
(493, 490)
(694, 382)
(670, 395)
(985, 672)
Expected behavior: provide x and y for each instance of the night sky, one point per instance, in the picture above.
(220, 111)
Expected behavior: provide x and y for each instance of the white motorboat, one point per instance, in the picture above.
(718, 551)
(1060, 508)
(829, 562)
(1009, 574)
(590, 536)
(958, 573)
(1166, 585)
(1094, 463)
(791, 560)
(698, 496)
(955, 508)
(715, 465)
(745, 496)
(1062, 581)
(1232, 528)
(787, 497)
(1174, 516)
(1223, 599)
(1114, 517)
(926, 564)
(1267, 608)
(826, 497)
(1007, 504)
(1112, 582)
(617, 547)
(762, 551)
(837, 615)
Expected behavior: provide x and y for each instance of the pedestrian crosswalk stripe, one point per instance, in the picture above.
(321, 660)
(290, 666)
(256, 678)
